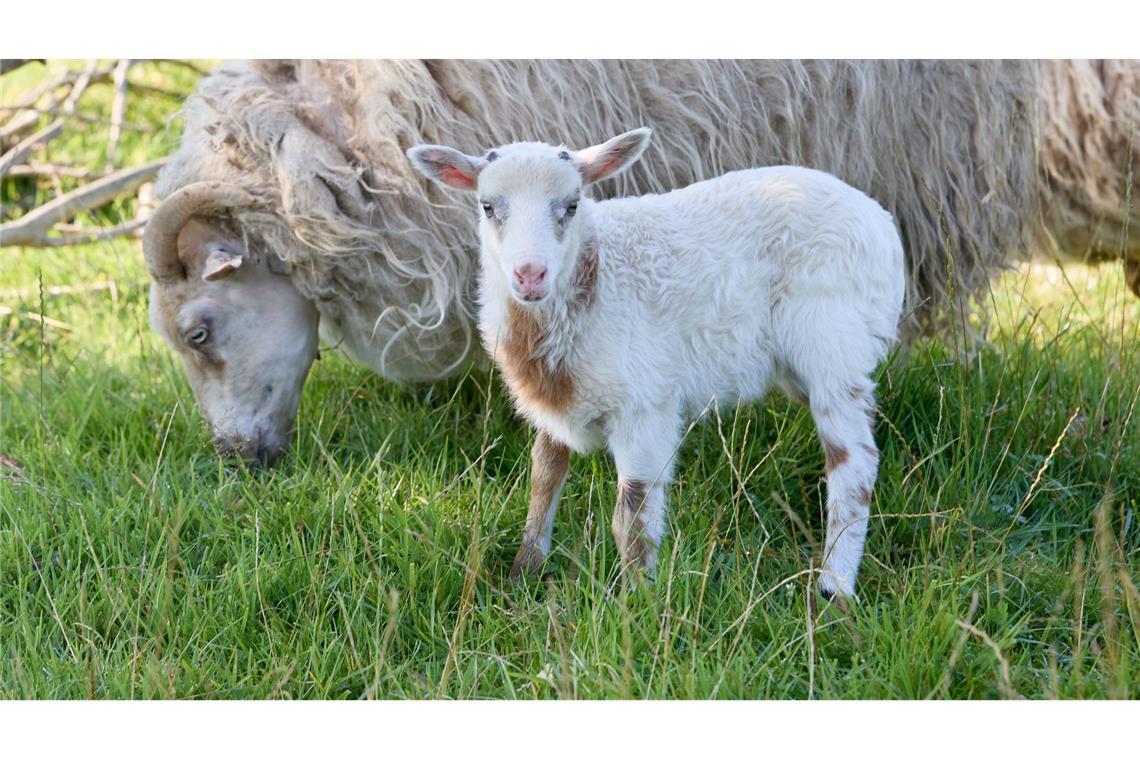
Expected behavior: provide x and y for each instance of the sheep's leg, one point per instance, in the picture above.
(844, 420)
(644, 451)
(549, 466)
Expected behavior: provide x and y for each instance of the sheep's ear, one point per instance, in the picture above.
(612, 156)
(220, 262)
(447, 166)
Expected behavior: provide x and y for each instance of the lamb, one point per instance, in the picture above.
(613, 321)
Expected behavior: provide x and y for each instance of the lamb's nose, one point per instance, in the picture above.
(530, 276)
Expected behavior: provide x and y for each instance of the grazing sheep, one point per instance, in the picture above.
(298, 169)
(613, 321)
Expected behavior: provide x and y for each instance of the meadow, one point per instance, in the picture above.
(1002, 559)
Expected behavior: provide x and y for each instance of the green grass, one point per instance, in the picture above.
(1002, 558)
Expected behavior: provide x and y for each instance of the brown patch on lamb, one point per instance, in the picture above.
(635, 547)
(533, 380)
(549, 463)
(586, 275)
(532, 377)
(833, 455)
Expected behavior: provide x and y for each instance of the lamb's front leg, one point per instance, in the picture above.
(643, 447)
(549, 465)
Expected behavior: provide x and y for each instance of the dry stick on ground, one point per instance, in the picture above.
(81, 86)
(83, 117)
(28, 111)
(53, 170)
(32, 229)
(16, 126)
(118, 108)
(27, 145)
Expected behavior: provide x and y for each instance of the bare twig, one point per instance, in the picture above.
(40, 318)
(86, 118)
(33, 96)
(53, 170)
(81, 86)
(27, 114)
(118, 108)
(27, 145)
(33, 228)
(16, 126)
(82, 235)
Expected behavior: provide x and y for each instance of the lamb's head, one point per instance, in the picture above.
(246, 335)
(529, 195)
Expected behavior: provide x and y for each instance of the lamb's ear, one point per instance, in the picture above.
(447, 166)
(612, 156)
(220, 262)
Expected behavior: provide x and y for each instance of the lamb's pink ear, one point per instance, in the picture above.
(612, 156)
(447, 166)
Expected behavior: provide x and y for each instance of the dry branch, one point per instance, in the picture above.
(33, 228)
(83, 235)
(27, 145)
(118, 108)
(54, 170)
(81, 86)
(87, 118)
(18, 125)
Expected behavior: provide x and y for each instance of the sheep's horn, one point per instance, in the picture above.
(160, 241)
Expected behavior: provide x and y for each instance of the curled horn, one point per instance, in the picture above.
(160, 241)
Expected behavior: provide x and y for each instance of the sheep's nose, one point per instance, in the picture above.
(530, 277)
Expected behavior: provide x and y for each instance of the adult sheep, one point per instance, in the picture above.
(290, 204)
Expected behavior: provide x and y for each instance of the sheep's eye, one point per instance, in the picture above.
(571, 209)
(489, 210)
(198, 336)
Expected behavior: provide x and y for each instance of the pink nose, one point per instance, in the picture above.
(530, 277)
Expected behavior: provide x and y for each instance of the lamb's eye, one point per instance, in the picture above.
(571, 209)
(489, 210)
(198, 336)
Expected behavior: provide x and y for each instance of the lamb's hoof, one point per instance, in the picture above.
(528, 561)
(839, 601)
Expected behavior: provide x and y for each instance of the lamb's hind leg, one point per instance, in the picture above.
(844, 420)
(549, 466)
(643, 450)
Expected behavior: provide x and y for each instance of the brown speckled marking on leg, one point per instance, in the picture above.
(549, 465)
(634, 546)
(834, 455)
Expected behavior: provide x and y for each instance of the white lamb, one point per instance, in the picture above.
(612, 322)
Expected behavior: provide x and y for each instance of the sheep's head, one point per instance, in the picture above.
(529, 195)
(245, 334)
